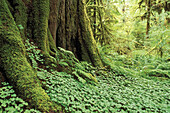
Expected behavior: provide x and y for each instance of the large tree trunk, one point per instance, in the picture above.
(65, 21)
(72, 30)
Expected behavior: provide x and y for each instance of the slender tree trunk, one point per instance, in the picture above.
(102, 39)
(52, 19)
(148, 17)
(167, 8)
(95, 19)
(57, 22)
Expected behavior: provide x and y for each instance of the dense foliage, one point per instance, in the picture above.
(11, 103)
(111, 94)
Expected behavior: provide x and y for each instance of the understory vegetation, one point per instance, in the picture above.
(112, 94)
(126, 85)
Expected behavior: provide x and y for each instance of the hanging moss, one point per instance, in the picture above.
(16, 67)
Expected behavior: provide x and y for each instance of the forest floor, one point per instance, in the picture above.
(111, 94)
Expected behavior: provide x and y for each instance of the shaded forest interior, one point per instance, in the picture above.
(84, 56)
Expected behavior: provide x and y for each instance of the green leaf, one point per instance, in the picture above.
(20, 27)
(4, 104)
(64, 64)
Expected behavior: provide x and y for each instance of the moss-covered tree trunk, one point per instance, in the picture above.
(15, 65)
(44, 22)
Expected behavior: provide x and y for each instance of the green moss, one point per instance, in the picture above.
(20, 15)
(40, 22)
(86, 75)
(17, 69)
(83, 77)
(41, 34)
(87, 36)
(7, 20)
(52, 47)
(9, 6)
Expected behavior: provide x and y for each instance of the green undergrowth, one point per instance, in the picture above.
(10, 103)
(137, 64)
(112, 94)
(119, 87)
(123, 85)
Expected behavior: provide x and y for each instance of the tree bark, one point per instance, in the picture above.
(73, 31)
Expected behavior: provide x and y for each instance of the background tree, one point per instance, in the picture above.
(102, 17)
(153, 5)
